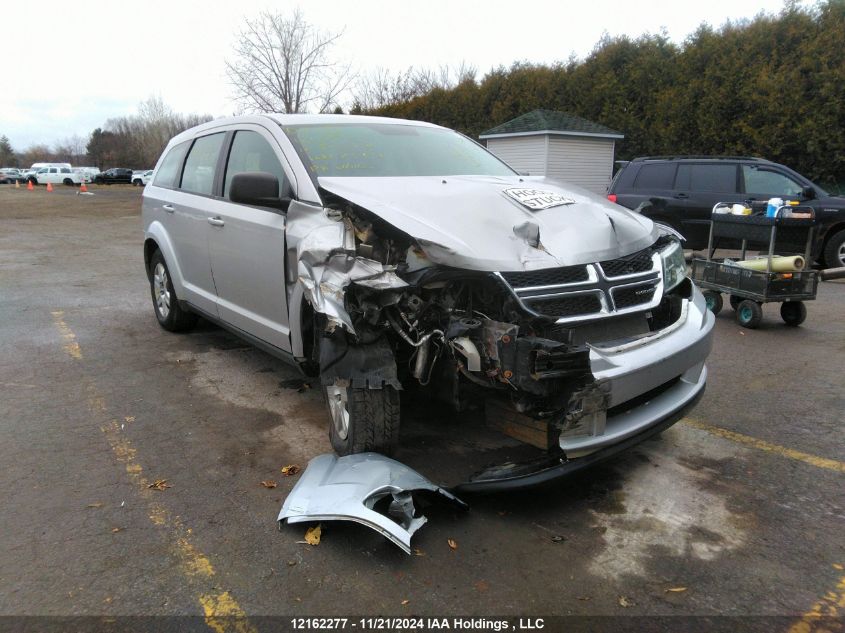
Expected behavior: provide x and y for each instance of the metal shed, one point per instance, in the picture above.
(556, 144)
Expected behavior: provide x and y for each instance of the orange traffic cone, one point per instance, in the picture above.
(83, 188)
(17, 184)
(49, 187)
(29, 185)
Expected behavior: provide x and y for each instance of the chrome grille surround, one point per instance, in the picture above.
(605, 291)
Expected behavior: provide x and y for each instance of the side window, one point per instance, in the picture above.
(53, 170)
(251, 152)
(65, 170)
(168, 172)
(714, 178)
(655, 176)
(198, 175)
(769, 182)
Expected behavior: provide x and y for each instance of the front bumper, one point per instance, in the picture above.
(653, 382)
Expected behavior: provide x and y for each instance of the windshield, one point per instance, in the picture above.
(385, 149)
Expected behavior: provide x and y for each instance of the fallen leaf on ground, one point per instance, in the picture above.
(404, 602)
(418, 552)
(481, 585)
(290, 470)
(94, 505)
(159, 484)
(291, 563)
(312, 535)
(117, 529)
(585, 598)
(453, 544)
(625, 601)
(129, 418)
(676, 589)
(558, 539)
(837, 566)
(268, 483)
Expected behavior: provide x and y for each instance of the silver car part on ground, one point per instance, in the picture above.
(348, 488)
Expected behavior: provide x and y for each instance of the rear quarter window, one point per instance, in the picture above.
(655, 176)
(714, 178)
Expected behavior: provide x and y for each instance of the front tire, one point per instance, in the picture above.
(834, 250)
(713, 300)
(169, 313)
(362, 419)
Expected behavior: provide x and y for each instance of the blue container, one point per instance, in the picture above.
(773, 206)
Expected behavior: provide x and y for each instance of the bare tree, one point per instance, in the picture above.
(283, 64)
(382, 87)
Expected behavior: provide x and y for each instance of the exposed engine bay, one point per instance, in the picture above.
(389, 315)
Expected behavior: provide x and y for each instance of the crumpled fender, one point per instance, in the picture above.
(348, 488)
(326, 263)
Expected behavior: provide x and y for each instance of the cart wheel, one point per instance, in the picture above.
(735, 301)
(714, 301)
(793, 312)
(749, 313)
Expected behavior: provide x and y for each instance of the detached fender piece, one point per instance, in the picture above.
(348, 488)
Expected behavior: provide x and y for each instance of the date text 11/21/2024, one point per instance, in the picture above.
(419, 624)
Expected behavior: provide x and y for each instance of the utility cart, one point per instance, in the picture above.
(787, 281)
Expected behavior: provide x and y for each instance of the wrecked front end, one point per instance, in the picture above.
(580, 360)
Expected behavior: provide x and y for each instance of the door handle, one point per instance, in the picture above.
(682, 195)
(216, 222)
(168, 207)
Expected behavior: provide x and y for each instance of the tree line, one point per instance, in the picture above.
(772, 86)
(129, 141)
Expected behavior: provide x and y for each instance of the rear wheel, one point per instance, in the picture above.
(362, 419)
(735, 301)
(793, 312)
(834, 250)
(136, 182)
(714, 301)
(67, 182)
(749, 314)
(169, 313)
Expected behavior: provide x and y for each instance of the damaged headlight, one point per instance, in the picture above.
(674, 265)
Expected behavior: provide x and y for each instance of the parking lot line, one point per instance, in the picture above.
(221, 610)
(817, 619)
(763, 445)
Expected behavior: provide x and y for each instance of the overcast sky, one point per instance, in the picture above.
(71, 66)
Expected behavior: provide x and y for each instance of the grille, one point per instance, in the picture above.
(567, 306)
(547, 277)
(630, 296)
(639, 262)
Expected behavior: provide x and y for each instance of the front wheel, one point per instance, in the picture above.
(362, 419)
(136, 183)
(713, 300)
(169, 313)
(793, 312)
(749, 314)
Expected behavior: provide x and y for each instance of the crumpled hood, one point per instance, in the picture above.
(470, 222)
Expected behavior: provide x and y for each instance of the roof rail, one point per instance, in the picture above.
(699, 157)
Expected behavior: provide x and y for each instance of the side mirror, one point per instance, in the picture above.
(808, 193)
(258, 188)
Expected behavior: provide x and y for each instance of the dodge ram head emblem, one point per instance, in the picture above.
(536, 199)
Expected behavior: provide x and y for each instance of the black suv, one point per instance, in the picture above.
(114, 175)
(681, 191)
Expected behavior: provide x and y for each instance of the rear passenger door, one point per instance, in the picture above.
(180, 197)
(247, 244)
(700, 186)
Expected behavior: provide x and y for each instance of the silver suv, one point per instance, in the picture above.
(374, 252)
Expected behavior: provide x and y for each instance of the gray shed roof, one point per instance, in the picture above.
(550, 122)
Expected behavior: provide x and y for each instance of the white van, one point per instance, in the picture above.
(53, 173)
